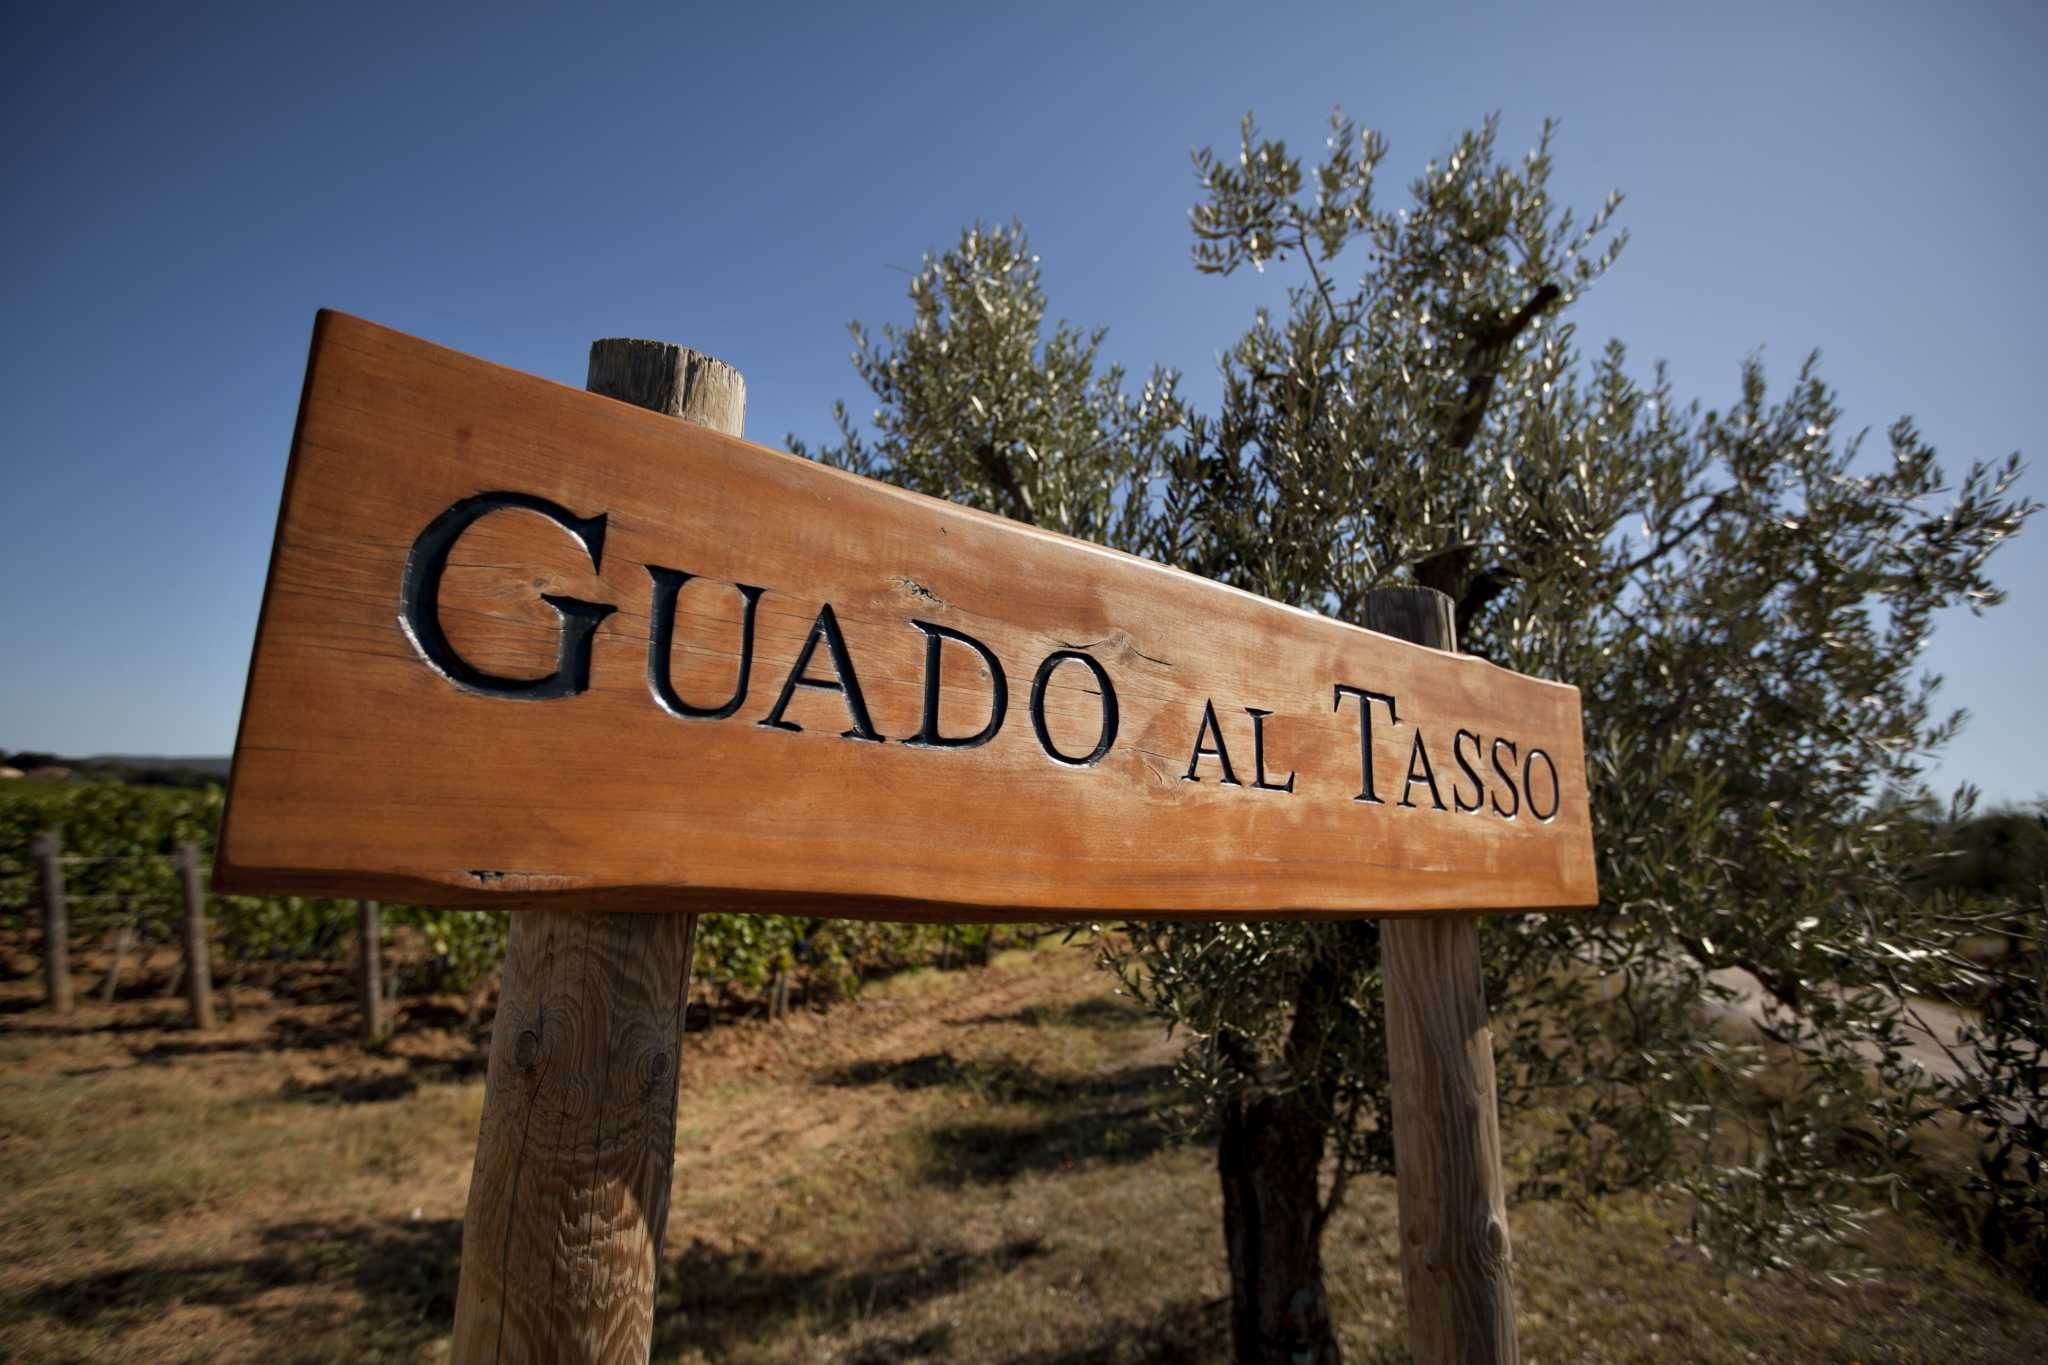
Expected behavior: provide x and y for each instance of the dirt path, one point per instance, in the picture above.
(1932, 1036)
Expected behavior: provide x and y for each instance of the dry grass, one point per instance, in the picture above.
(970, 1166)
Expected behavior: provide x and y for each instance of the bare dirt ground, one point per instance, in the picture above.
(970, 1166)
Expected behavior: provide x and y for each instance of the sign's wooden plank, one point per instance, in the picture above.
(523, 645)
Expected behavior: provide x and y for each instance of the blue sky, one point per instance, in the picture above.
(185, 185)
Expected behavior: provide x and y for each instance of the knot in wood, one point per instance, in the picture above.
(653, 1068)
(526, 1050)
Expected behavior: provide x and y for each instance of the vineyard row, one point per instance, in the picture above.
(118, 854)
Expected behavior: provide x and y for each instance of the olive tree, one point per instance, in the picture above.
(1741, 592)
(976, 403)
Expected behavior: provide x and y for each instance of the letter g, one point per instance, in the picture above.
(420, 597)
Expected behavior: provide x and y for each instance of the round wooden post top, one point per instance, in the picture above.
(669, 379)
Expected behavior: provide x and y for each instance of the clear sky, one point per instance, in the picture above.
(186, 184)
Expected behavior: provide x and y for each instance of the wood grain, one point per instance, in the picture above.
(1456, 1259)
(361, 770)
(568, 1203)
(561, 1243)
(672, 380)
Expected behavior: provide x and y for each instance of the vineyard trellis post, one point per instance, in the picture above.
(368, 937)
(198, 967)
(124, 940)
(561, 1241)
(1455, 1251)
(48, 851)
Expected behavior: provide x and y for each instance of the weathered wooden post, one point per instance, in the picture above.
(1455, 1255)
(124, 939)
(198, 967)
(561, 1245)
(369, 939)
(48, 851)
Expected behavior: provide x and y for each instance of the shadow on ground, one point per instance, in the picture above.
(287, 1033)
(1069, 1121)
(383, 1086)
(404, 1270)
(398, 1075)
(1101, 1012)
(1001, 1080)
(993, 1151)
(1183, 1333)
(167, 1017)
(713, 1300)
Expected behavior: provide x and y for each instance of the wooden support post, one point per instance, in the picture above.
(1455, 1256)
(561, 1245)
(124, 939)
(369, 941)
(48, 851)
(198, 967)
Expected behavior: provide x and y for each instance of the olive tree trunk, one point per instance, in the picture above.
(1270, 1158)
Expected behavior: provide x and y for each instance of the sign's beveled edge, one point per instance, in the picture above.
(227, 877)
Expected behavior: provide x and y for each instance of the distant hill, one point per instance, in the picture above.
(212, 767)
(153, 770)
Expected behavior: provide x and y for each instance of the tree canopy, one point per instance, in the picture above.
(1741, 591)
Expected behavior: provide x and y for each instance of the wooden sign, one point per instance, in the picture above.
(526, 646)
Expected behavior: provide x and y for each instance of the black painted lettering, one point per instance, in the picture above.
(1529, 785)
(846, 682)
(1218, 751)
(1478, 800)
(1418, 761)
(928, 736)
(1367, 791)
(420, 601)
(1259, 754)
(668, 586)
(1507, 776)
(1109, 710)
